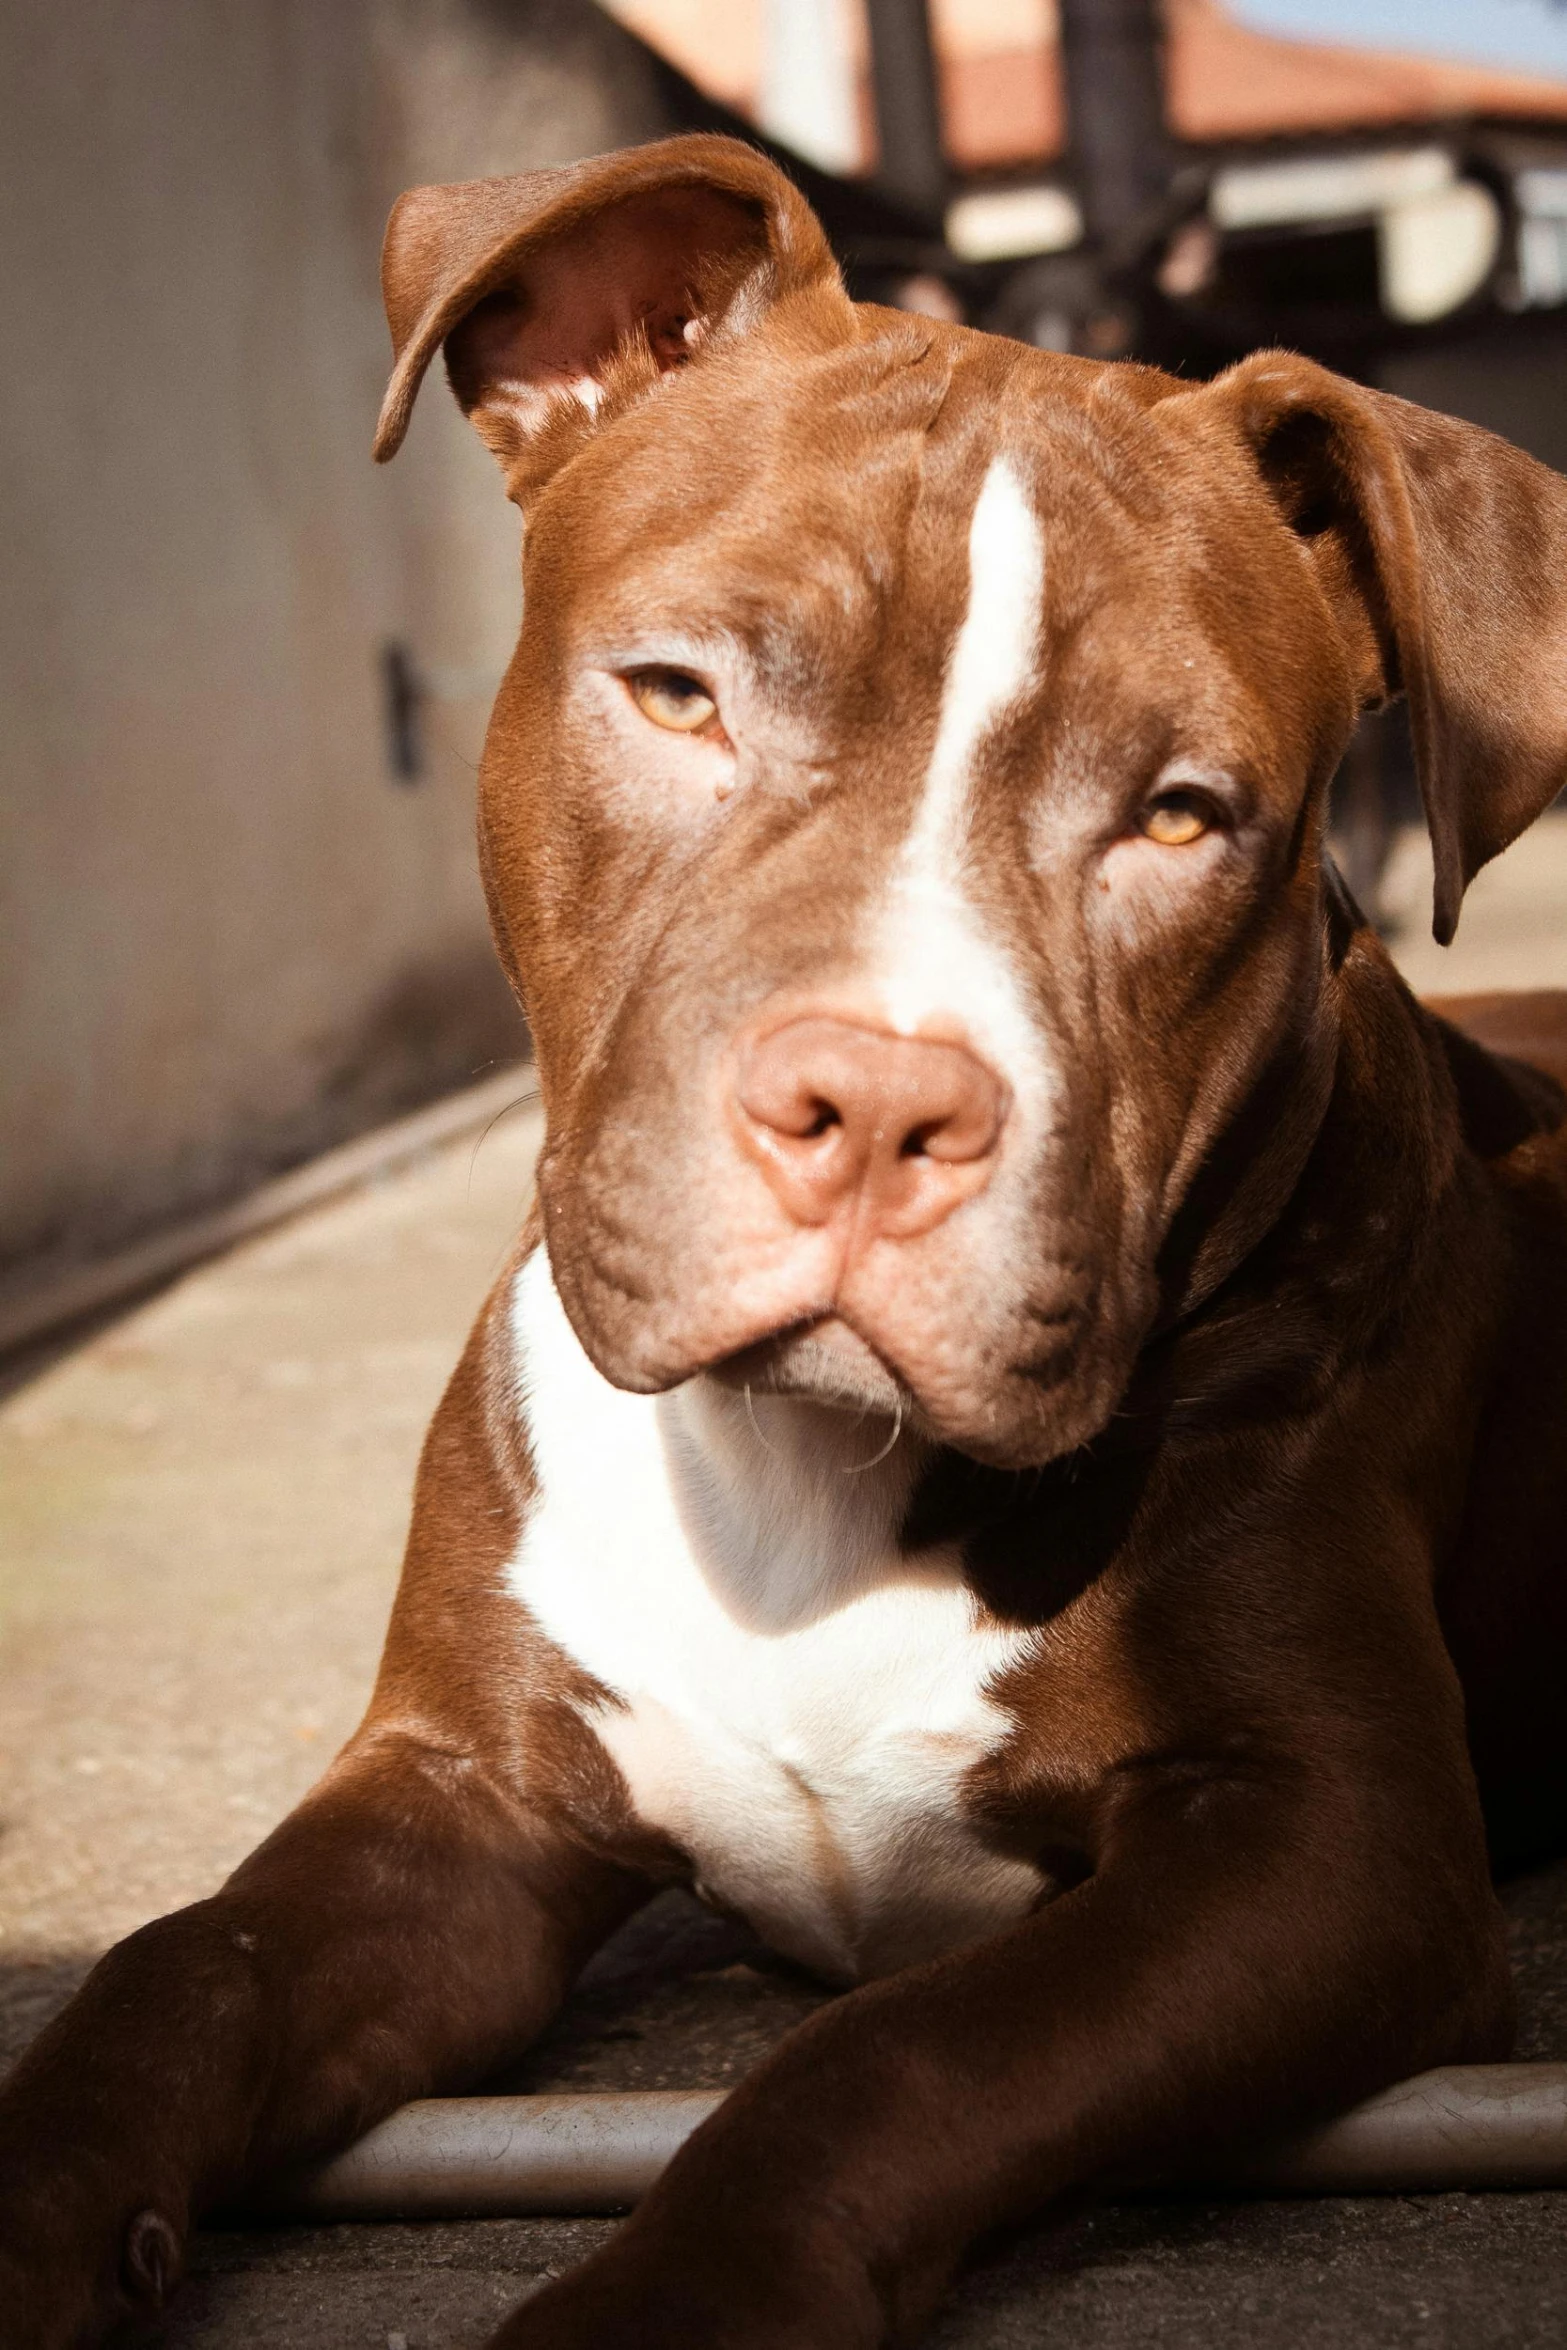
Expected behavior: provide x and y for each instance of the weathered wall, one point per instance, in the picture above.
(228, 935)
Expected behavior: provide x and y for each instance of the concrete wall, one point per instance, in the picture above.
(228, 934)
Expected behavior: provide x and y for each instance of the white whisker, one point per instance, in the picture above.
(750, 1413)
(859, 1468)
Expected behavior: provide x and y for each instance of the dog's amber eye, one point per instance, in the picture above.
(672, 700)
(1175, 818)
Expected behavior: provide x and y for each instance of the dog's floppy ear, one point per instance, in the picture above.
(557, 290)
(1444, 552)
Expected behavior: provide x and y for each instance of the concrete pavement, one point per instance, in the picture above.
(202, 1507)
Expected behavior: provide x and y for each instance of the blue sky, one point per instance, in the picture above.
(1528, 34)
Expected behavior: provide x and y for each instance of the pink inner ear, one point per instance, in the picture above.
(573, 303)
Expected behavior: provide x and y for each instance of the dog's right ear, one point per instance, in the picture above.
(561, 295)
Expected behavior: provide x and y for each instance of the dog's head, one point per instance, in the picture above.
(903, 814)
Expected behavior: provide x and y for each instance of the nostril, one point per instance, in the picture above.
(833, 1112)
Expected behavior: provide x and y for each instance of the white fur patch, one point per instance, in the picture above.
(798, 1702)
(992, 658)
(931, 957)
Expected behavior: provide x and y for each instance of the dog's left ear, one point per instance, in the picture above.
(1443, 551)
(559, 295)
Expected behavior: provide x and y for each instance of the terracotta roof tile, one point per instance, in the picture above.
(1001, 80)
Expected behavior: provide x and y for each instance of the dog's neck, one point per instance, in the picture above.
(1345, 1247)
(792, 1507)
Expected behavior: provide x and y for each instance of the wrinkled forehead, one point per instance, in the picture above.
(843, 476)
(837, 518)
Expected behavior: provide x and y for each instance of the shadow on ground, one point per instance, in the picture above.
(683, 1999)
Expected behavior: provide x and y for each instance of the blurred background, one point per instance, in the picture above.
(247, 674)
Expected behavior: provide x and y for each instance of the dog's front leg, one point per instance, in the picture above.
(1255, 1946)
(407, 1928)
(411, 1925)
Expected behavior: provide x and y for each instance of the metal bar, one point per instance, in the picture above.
(913, 165)
(1465, 2126)
(478, 2157)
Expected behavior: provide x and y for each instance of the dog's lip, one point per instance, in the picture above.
(842, 1365)
(826, 1362)
(850, 1372)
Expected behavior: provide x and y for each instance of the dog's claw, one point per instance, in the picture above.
(149, 2261)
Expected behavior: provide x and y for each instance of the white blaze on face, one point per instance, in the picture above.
(931, 956)
(992, 660)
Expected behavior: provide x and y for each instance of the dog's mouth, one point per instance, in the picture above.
(1001, 1371)
(824, 1362)
(824, 1359)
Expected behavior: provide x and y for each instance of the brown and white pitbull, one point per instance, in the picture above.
(1023, 1450)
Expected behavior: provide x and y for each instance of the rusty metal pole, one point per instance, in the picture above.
(913, 165)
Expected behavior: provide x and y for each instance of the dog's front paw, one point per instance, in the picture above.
(77, 2256)
(56, 2295)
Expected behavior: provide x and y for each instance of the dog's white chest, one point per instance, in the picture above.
(796, 1706)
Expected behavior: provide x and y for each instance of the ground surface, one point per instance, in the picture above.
(201, 1509)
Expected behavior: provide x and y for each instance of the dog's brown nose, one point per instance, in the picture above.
(901, 1128)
